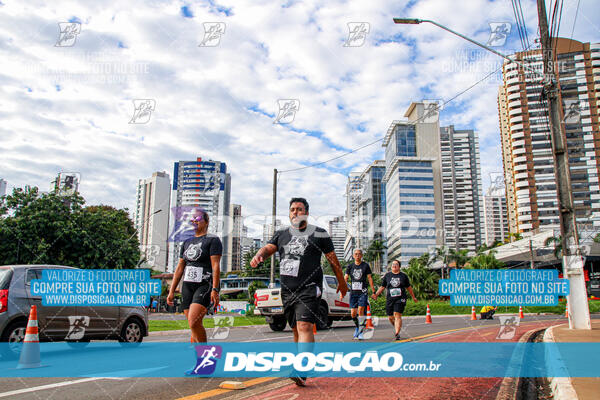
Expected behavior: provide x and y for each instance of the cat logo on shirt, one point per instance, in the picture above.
(193, 252)
(297, 245)
(357, 274)
(395, 282)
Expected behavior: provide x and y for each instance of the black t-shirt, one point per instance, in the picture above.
(396, 285)
(196, 253)
(358, 276)
(300, 252)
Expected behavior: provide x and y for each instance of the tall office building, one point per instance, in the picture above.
(527, 153)
(495, 216)
(235, 238)
(268, 230)
(200, 184)
(337, 232)
(2, 187)
(371, 209)
(151, 218)
(354, 188)
(461, 188)
(413, 185)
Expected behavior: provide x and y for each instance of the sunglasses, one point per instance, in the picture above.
(197, 219)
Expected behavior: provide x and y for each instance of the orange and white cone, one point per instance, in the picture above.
(428, 316)
(369, 324)
(314, 329)
(473, 314)
(30, 353)
(567, 309)
(521, 312)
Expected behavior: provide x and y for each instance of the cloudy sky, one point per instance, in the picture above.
(67, 103)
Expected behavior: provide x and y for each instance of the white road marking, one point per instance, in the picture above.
(49, 386)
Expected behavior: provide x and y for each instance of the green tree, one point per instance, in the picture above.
(459, 257)
(485, 261)
(374, 254)
(423, 281)
(253, 287)
(262, 270)
(513, 237)
(50, 229)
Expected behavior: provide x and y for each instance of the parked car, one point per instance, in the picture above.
(61, 323)
(331, 308)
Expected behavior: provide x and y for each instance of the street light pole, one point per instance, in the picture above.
(579, 314)
(272, 274)
(579, 317)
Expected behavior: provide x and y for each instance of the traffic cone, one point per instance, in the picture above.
(314, 329)
(369, 324)
(473, 314)
(521, 312)
(567, 309)
(30, 353)
(428, 316)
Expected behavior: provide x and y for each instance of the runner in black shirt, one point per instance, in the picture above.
(397, 284)
(199, 264)
(300, 247)
(360, 272)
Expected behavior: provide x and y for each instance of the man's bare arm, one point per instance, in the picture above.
(337, 270)
(262, 254)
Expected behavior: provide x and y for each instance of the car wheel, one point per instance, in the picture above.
(323, 320)
(14, 335)
(278, 324)
(132, 332)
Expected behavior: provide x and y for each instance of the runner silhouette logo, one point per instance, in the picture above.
(207, 357)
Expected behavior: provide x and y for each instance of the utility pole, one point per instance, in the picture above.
(531, 265)
(272, 275)
(579, 315)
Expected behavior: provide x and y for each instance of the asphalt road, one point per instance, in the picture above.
(173, 388)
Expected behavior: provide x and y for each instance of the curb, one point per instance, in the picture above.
(510, 385)
(562, 387)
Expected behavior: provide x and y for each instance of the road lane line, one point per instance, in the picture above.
(49, 386)
(216, 392)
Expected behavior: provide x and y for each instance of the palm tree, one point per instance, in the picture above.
(485, 261)
(441, 254)
(422, 280)
(513, 237)
(557, 242)
(459, 257)
(374, 253)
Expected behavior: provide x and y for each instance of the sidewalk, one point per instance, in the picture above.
(574, 388)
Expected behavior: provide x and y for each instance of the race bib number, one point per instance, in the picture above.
(289, 267)
(192, 274)
(356, 285)
(395, 292)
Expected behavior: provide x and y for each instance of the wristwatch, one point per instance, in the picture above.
(216, 289)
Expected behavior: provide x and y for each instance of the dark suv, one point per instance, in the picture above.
(61, 323)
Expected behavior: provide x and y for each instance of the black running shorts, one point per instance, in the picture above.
(195, 292)
(301, 304)
(392, 306)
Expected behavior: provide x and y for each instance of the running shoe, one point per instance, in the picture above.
(398, 337)
(356, 332)
(360, 336)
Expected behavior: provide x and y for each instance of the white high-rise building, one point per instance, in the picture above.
(2, 187)
(462, 188)
(413, 184)
(268, 230)
(200, 184)
(495, 216)
(151, 219)
(354, 189)
(337, 232)
(235, 238)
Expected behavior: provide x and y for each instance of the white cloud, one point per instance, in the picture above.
(205, 95)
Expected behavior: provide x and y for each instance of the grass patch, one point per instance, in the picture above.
(171, 325)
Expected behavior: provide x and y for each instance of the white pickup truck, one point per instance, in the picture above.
(268, 302)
